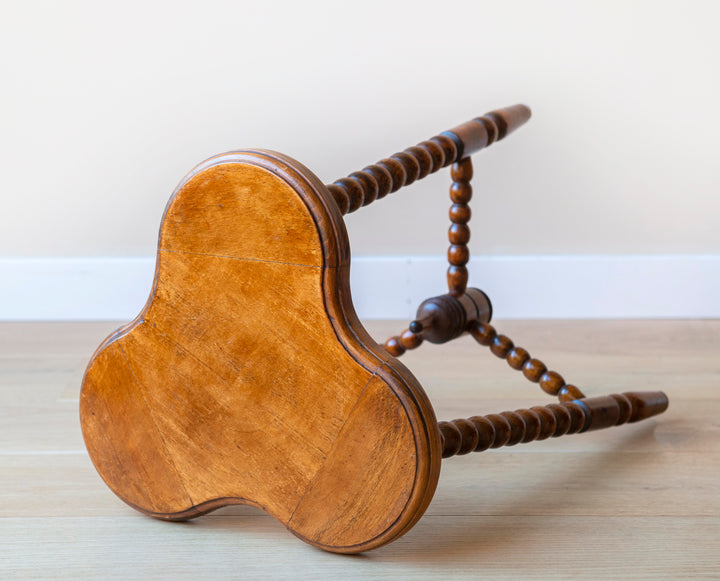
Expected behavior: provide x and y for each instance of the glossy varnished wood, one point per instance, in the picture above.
(247, 377)
(478, 433)
(459, 234)
(518, 358)
(388, 175)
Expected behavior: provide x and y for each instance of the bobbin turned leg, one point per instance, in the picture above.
(551, 382)
(446, 317)
(479, 433)
(458, 253)
(388, 175)
(442, 318)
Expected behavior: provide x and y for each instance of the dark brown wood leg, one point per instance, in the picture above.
(479, 433)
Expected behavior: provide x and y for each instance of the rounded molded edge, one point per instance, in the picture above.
(349, 331)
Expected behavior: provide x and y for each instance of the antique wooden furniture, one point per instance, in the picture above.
(247, 377)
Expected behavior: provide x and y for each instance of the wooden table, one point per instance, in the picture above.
(638, 501)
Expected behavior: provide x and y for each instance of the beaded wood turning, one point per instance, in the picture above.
(248, 379)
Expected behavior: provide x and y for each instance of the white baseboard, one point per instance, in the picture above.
(391, 287)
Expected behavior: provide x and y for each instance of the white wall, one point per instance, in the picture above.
(104, 106)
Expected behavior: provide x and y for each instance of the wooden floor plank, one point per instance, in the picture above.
(495, 483)
(248, 547)
(639, 501)
(53, 339)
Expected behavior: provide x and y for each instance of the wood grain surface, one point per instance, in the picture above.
(247, 378)
(635, 502)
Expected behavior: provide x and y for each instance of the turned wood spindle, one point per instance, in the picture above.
(519, 359)
(459, 233)
(479, 433)
(388, 175)
(441, 318)
(398, 344)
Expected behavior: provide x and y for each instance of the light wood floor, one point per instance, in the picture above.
(637, 501)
